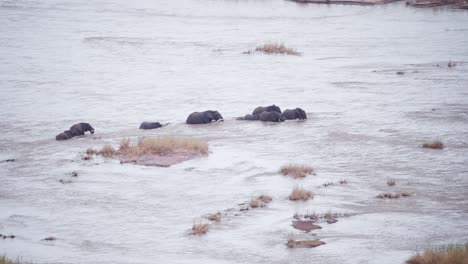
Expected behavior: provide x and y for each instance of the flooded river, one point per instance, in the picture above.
(115, 64)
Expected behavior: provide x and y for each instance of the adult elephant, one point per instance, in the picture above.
(249, 117)
(151, 125)
(297, 113)
(204, 117)
(67, 134)
(271, 108)
(272, 116)
(80, 129)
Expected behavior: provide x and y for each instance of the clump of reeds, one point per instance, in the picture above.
(260, 201)
(199, 228)
(276, 48)
(292, 243)
(435, 144)
(163, 145)
(215, 217)
(299, 193)
(296, 170)
(391, 182)
(91, 151)
(107, 151)
(449, 254)
(6, 260)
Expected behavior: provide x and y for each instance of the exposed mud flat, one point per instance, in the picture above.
(115, 64)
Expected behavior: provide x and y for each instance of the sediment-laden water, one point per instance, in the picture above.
(118, 63)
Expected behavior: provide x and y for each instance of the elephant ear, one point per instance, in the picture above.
(208, 116)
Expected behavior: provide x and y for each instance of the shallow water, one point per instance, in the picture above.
(118, 63)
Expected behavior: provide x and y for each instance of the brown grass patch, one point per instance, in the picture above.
(163, 145)
(436, 144)
(296, 170)
(199, 228)
(107, 151)
(91, 151)
(256, 203)
(215, 217)
(300, 194)
(450, 254)
(265, 198)
(276, 48)
(6, 260)
(391, 182)
(304, 243)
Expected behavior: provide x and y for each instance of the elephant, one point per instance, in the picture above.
(151, 125)
(204, 117)
(249, 117)
(67, 134)
(271, 108)
(80, 129)
(297, 113)
(272, 116)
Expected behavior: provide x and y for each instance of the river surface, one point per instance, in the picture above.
(115, 64)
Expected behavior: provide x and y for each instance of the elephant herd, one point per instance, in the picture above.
(270, 113)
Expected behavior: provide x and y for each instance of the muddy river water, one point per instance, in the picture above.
(116, 63)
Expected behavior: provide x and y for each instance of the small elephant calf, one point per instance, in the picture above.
(297, 113)
(75, 130)
(151, 125)
(204, 117)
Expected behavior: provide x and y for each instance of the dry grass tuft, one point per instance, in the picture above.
(276, 48)
(163, 145)
(300, 194)
(296, 170)
(124, 145)
(91, 151)
(436, 144)
(389, 195)
(450, 254)
(199, 228)
(215, 217)
(6, 260)
(304, 243)
(391, 182)
(256, 203)
(107, 151)
(265, 198)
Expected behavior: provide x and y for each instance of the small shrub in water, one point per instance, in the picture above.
(107, 151)
(300, 194)
(216, 217)
(436, 144)
(276, 48)
(199, 228)
(391, 182)
(296, 170)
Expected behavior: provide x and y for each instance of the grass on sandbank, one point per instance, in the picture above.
(296, 170)
(276, 48)
(448, 254)
(299, 193)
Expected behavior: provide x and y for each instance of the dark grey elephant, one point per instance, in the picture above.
(204, 117)
(67, 134)
(297, 113)
(80, 129)
(151, 125)
(271, 108)
(272, 117)
(249, 117)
